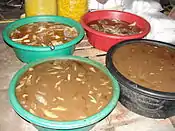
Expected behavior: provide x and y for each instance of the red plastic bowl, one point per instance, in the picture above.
(104, 41)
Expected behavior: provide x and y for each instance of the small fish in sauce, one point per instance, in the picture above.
(115, 27)
(44, 34)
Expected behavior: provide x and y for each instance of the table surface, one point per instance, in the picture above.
(121, 119)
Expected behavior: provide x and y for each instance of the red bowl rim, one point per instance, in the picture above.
(144, 33)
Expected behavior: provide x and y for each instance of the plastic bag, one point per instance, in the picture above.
(108, 4)
(162, 27)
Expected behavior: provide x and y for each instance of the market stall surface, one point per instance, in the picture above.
(120, 119)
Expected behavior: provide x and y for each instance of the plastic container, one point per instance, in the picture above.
(74, 9)
(141, 100)
(40, 7)
(78, 125)
(104, 41)
(30, 53)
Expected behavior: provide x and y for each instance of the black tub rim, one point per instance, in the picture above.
(128, 83)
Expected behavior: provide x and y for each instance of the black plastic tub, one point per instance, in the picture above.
(143, 101)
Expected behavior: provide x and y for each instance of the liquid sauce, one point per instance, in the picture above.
(64, 90)
(114, 26)
(43, 34)
(147, 65)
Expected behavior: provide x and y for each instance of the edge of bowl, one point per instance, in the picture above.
(67, 124)
(43, 18)
(125, 81)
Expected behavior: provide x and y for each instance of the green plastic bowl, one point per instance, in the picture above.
(27, 53)
(77, 125)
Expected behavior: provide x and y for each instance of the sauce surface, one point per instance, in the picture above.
(115, 27)
(147, 65)
(64, 90)
(43, 34)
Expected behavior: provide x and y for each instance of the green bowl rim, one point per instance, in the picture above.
(67, 124)
(49, 18)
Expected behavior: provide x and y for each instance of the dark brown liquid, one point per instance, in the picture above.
(64, 90)
(147, 65)
(43, 34)
(116, 27)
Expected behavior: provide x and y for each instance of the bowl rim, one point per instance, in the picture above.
(130, 84)
(67, 124)
(42, 18)
(146, 30)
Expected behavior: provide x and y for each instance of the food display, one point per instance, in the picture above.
(148, 65)
(64, 90)
(59, 94)
(115, 27)
(43, 34)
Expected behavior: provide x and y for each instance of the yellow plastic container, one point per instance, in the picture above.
(40, 7)
(74, 9)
